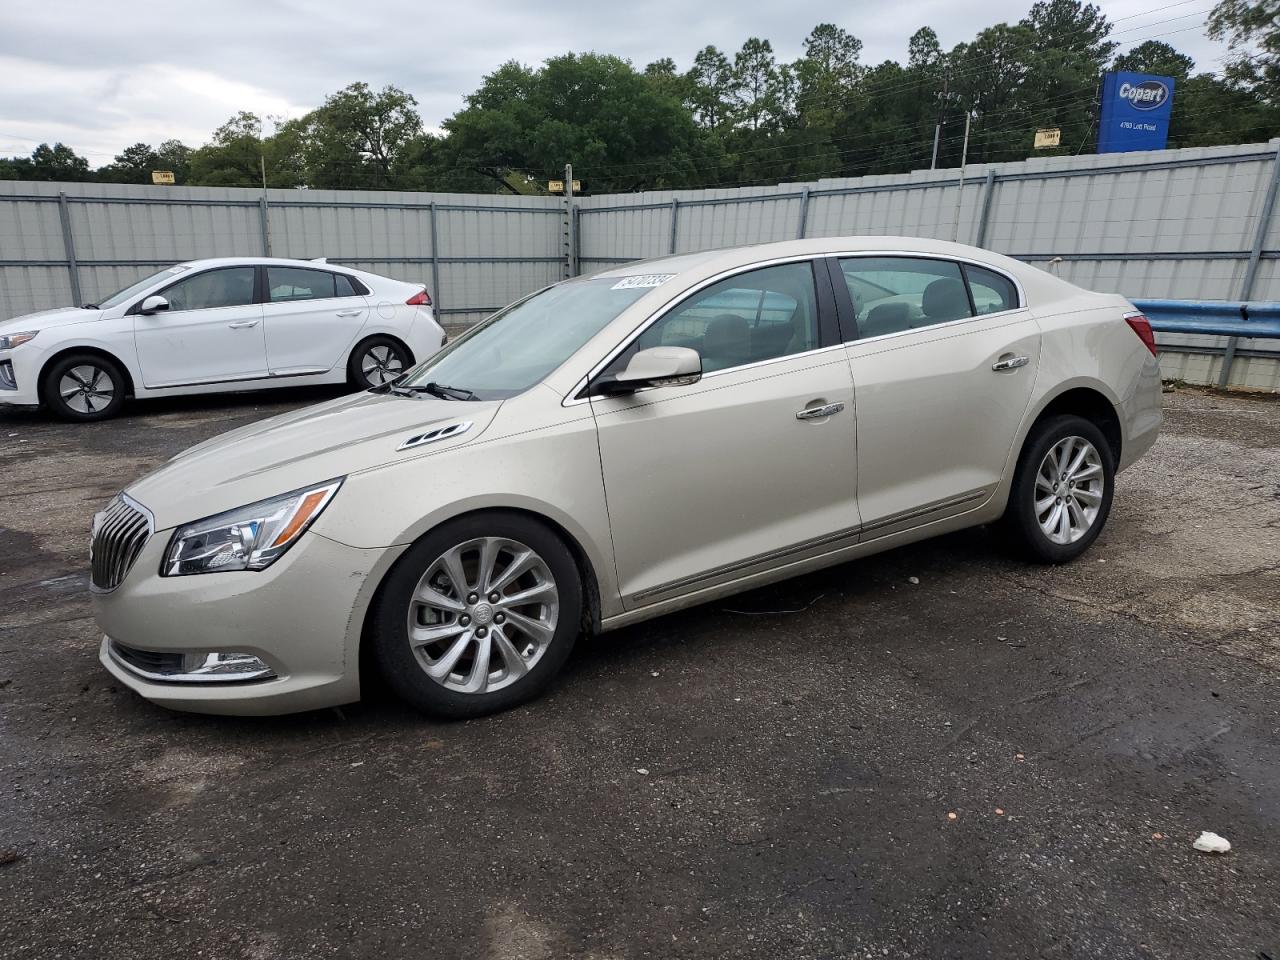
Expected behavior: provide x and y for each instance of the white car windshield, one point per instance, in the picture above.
(135, 288)
(519, 346)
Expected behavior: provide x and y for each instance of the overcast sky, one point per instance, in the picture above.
(102, 74)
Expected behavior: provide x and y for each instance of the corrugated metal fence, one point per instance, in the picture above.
(1183, 224)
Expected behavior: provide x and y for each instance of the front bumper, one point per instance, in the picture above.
(302, 617)
(19, 376)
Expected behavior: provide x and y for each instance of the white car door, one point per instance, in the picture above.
(312, 318)
(752, 466)
(211, 333)
(943, 369)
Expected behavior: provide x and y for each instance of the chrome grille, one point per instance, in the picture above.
(119, 534)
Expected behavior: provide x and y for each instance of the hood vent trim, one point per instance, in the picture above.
(439, 433)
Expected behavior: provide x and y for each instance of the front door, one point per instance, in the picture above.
(734, 474)
(211, 333)
(312, 318)
(943, 366)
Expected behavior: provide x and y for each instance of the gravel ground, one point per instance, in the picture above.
(996, 760)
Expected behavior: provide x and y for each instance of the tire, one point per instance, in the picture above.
(83, 387)
(453, 632)
(376, 360)
(1059, 532)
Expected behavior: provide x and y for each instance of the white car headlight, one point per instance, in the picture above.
(247, 538)
(11, 340)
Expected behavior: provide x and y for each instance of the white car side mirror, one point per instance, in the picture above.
(656, 367)
(153, 304)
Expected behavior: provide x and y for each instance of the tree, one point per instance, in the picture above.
(1251, 23)
(58, 162)
(755, 73)
(713, 87)
(357, 138)
(1158, 57)
(238, 154)
(593, 110)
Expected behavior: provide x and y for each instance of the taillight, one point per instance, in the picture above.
(420, 299)
(1142, 327)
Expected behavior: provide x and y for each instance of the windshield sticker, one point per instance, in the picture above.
(643, 280)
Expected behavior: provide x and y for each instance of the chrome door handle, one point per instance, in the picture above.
(348, 313)
(1010, 363)
(242, 324)
(817, 413)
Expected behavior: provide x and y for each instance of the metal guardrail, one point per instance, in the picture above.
(1234, 319)
(1213, 318)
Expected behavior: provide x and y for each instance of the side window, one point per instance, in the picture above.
(991, 291)
(342, 285)
(892, 294)
(227, 287)
(286, 284)
(754, 316)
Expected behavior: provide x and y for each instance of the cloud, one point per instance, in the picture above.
(102, 74)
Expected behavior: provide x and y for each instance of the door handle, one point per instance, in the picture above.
(817, 413)
(242, 324)
(1010, 363)
(348, 313)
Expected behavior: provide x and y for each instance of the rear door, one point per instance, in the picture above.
(312, 319)
(211, 333)
(751, 468)
(944, 357)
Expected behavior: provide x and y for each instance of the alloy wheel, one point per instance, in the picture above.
(1069, 490)
(483, 614)
(380, 363)
(87, 389)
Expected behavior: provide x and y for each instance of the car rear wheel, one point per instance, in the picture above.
(377, 360)
(84, 387)
(1062, 490)
(478, 616)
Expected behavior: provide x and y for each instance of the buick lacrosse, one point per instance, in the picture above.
(615, 447)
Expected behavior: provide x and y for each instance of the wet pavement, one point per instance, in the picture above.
(773, 775)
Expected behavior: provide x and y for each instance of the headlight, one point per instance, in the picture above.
(11, 340)
(247, 538)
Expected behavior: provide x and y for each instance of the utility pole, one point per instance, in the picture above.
(570, 251)
(266, 213)
(937, 127)
(964, 156)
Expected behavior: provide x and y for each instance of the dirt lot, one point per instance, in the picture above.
(770, 776)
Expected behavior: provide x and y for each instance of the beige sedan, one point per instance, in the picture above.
(613, 448)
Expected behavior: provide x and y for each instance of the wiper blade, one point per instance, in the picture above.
(440, 390)
(90, 306)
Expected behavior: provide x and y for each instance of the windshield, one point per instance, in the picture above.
(135, 288)
(519, 346)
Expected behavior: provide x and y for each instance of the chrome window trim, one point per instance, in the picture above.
(572, 398)
(1017, 286)
(946, 325)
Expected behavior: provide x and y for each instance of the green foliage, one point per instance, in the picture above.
(732, 117)
(1253, 31)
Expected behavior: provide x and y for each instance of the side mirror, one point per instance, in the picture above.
(153, 304)
(655, 367)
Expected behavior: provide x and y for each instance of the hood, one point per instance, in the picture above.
(307, 446)
(44, 319)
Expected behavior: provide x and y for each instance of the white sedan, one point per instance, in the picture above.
(212, 326)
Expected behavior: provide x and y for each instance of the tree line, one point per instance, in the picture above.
(733, 118)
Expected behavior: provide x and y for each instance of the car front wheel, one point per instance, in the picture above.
(478, 616)
(83, 387)
(1062, 490)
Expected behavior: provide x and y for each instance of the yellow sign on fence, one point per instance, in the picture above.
(1047, 139)
(162, 176)
(557, 186)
